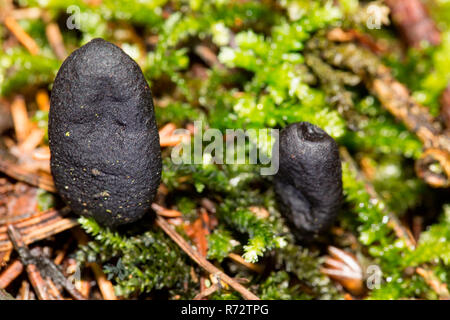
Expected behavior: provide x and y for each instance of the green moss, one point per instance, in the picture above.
(133, 259)
(275, 67)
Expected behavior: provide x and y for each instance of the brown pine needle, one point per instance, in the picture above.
(26, 13)
(167, 138)
(33, 140)
(166, 212)
(252, 266)
(172, 140)
(43, 100)
(207, 292)
(18, 172)
(10, 273)
(34, 275)
(20, 118)
(431, 279)
(25, 292)
(38, 227)
(105, 286)
(54, 37)
(37, 282)
(24, 38)
(42, 153)
(167, 130)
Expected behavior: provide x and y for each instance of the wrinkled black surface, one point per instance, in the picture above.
(104, 143)
(309, 181)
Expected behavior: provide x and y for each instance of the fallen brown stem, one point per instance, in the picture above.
(37, 282)
(34, 275)
(434, 178)
(43, 100)
(106, 287)
(167, 130)
(26, 13)
(54, 37)
(208, 291)
(202, 262)
(433, 281)
(32, 140)
(173, 140)
(25, 292)
(46, 265)
(24, 38)
(209, 57)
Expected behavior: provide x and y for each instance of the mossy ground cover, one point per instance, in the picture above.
(264, 71)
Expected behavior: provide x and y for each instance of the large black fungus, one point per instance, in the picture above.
(309, 180)
(104, 143)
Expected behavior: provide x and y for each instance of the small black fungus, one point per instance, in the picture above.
(309, 180)
(104, 142)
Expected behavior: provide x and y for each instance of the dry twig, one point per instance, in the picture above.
(9, 167)
(33, 264)
(105, 286)
(252, 266)
(440, 288)
(10, 273)
(202, 262)
(20, 118)
(25, 256)
(24, 292)
(24, 38)
(54, 37)
(37, 227)
(208, 291)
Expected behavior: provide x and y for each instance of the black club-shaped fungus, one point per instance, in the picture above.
(104, 143)
(309, 181)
